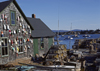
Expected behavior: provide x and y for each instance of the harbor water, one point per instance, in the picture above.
(70, 42)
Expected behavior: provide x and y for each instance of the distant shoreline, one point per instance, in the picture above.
(72, 32)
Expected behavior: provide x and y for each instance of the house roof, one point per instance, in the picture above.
(40, 29)
(4, 4)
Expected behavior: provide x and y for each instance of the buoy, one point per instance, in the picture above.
(11, 42)
(31, 41)
(25, 49)
(5, 17)
(0, 20)
(28, 39)
(7, 27)
(4, 26)
(13, 49)
(9, 32)
(18, 49)
(2, 16)
(19, 30)
(20, 25)
(28, 27)
(18, 18)
(28, 47)
(15, 42)
(14, 32)
(2, 35)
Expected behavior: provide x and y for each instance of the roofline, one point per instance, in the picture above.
(43, 37)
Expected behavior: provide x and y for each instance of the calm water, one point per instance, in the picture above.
(70, 42)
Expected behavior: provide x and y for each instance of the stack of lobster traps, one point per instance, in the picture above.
(57, 54)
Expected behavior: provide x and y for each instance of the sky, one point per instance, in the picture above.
(83, 14)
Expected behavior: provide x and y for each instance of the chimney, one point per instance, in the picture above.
(33, 16)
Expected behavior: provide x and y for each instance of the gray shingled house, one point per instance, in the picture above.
(42, 36)
(15, 41)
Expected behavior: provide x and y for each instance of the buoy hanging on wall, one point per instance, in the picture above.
(13, 49)
(17, 49)
(9, 32)
(2, 16)
(2, 35)
(7, 26)
(9, 41)
(0, 20)
(20, 25)
(14, 32)
(4, 27)
(31, 40)
(28, 39)
(25, 49)
(18, 18)
(15, 41)
(28, 47)
(5, 18)
(28, 27)
(19, 30)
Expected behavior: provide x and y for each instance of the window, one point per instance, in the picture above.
(4, 46)
(13, 18)
(20, 44)
(42, 43)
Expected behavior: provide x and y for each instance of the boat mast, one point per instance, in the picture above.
(58, 25)
(70, 37)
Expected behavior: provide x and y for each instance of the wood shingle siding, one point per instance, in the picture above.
(15, 31)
